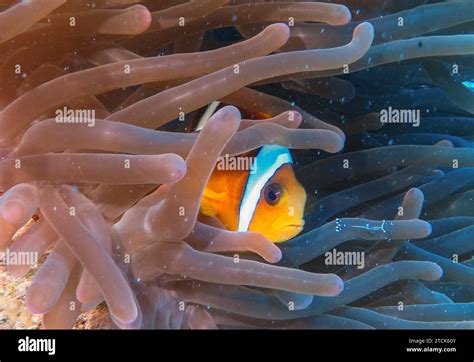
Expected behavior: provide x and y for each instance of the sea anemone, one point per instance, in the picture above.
(113, 202)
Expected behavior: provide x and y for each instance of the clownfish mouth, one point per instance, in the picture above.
(292, 227)
(284, 224)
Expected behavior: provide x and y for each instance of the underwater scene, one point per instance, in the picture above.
(237, 164)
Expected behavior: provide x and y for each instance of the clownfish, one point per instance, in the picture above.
(267, 198)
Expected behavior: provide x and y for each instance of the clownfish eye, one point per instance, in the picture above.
(272, 193)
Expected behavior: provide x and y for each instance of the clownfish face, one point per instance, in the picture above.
(269, 200)
(279, 212)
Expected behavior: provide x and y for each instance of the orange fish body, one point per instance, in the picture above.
(265, 198)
